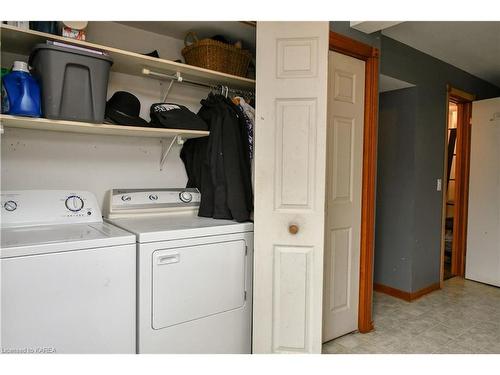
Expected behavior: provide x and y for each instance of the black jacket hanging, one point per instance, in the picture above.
(220, 165)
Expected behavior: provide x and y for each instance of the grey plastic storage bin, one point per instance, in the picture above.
(74, 83)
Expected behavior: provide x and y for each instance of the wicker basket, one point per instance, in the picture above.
(215, 55)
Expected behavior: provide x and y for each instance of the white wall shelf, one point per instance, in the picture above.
(177, 135)
(16, 40)
(8, 121)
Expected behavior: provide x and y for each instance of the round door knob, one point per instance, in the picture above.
(293, 229)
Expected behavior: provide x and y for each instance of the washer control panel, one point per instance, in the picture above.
(39, 207)
(151, 200)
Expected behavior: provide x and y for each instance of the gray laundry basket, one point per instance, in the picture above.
(74, 83)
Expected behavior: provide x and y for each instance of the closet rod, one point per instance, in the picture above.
(178, 77)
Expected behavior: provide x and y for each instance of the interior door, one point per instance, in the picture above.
(290, 158)
(483, 234)
(346, 86)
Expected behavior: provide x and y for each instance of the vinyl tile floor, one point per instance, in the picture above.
(461, 318)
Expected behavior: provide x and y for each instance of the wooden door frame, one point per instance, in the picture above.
(462, 171)
(370, 55)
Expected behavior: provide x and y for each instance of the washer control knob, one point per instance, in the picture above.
(153, 197)
(126, 198)
(186, 196)
(10, 205)
(74, 203)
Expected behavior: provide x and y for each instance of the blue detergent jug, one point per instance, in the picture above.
(20, 92)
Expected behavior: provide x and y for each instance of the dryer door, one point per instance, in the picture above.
(193, 282)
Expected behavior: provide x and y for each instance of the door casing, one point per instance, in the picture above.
(462, 168)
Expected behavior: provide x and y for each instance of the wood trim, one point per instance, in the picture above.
(462, 172)
(460, 96)
(406, 296)
(370, 55)
(393, 292)
(461, 189)
(365, 321)
(422, 292)
(350, 47)
(444, 191)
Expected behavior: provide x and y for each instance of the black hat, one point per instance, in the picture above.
(123, 108)
(175, 116)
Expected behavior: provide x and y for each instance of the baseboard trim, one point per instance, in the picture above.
(424, 291)
(401, 294)
(398, 293)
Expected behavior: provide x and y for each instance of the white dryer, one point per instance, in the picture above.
(68, 278)
(194, 273)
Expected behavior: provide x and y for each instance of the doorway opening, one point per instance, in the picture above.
(456, 184)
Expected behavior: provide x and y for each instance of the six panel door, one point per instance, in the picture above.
(290, 156)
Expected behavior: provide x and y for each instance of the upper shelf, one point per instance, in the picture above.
(8, 121)
(244, 31)
(16, 40)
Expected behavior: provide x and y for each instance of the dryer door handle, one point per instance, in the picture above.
(169, 259)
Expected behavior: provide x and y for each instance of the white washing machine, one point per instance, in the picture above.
(68, 278)
(194, 273)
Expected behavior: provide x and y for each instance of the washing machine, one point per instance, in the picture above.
(67, 278)
(194, 273)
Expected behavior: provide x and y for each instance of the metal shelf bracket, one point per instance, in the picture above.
(165, 150)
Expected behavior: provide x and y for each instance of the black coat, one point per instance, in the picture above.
(219, 165)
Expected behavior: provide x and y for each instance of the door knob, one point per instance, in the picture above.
(293, 228)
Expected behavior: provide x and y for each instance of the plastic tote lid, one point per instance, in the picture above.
(20, 66)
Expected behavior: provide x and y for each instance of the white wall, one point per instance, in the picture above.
(33, 159)
(483, 227)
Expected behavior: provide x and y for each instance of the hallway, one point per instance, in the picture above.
(463, 317)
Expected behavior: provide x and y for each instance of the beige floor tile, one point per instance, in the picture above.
(446, 331)
(463, 317)
(334, 348)
(434, 337)
(351, 341)
(415, 346)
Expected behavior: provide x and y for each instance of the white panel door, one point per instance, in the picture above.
(482, 261)
(346, 91)
(290, 158)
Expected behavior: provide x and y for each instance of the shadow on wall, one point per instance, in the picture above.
(394, 238)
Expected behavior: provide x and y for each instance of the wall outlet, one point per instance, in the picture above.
(439, 184)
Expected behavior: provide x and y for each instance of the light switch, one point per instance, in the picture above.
(439, 184)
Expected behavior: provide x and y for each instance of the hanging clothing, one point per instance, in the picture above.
(249, 113)
(220, 165)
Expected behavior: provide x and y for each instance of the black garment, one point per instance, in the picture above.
(175, 116)
(224, 178)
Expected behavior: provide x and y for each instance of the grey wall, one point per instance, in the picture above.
(395, 188)
(411, 151)
(431, 76)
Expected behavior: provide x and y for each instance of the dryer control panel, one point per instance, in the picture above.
(122, 202)
(40, 207)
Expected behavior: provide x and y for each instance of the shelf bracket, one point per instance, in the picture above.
(165, 150)
(177, 77)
